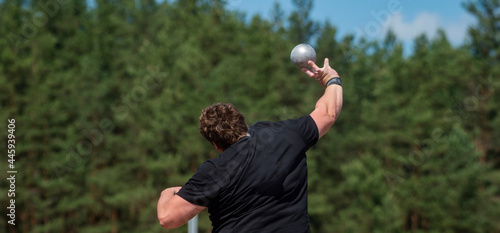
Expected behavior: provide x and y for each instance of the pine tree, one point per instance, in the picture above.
(444, 193)
(483, 84)
(106, 97)
(301, 28)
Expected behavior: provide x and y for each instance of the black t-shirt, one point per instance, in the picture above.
(258, 184)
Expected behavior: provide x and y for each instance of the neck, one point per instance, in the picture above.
(242, 136)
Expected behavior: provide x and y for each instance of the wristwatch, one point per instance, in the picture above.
(336, 80)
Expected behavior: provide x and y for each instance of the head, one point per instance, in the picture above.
(222, 125)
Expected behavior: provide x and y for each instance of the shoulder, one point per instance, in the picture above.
(306, 120)
(300, 123)
(207, 168)
(304, 126)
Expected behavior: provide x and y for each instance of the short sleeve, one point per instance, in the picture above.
(203, 187)
(305, 127)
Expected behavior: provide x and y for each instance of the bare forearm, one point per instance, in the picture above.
(328, 108)
(166, 195)
(331, 101)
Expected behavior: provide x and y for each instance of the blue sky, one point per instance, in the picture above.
(372, 19)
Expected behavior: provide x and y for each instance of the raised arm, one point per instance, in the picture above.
(329, 105)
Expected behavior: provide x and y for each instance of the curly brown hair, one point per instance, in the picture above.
(222, 124)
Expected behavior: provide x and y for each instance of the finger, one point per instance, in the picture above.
(327, 63)
(309, 72)
(313, 65)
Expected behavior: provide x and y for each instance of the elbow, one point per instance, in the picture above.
(332, 116)
(328, 112)
(167, 225)
(167, 222)
(334, 112)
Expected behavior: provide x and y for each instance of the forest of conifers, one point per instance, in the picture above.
(106, 97)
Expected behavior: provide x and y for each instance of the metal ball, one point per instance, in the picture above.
(301, 54)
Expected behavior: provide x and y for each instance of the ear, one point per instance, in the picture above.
(217, 148)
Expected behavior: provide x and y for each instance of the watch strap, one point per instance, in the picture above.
(336, 80)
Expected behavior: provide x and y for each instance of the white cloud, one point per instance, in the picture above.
(424, 23)
(428, 23)
(457, 31)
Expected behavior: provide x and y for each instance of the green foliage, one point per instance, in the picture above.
(106, 97)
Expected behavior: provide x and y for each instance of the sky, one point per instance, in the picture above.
(373, 18)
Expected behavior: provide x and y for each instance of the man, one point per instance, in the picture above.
(259, 181)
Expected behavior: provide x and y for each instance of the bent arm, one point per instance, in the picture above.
(173, 211)
(329, 105)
